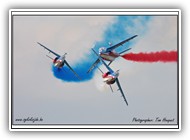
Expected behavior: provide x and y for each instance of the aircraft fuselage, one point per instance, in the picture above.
(59, 62)
(109, 78)
(110, 56)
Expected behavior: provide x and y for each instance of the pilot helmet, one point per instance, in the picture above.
(102, 50)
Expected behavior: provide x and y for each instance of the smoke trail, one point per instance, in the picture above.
(65, 74)
(100, 84)
(114, 33)
(162, 56)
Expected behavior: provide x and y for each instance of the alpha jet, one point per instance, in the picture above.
(111, 77)
(59, 60)
(109, 54)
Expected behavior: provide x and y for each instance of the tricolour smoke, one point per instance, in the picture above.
(162, 56)
(114, 33)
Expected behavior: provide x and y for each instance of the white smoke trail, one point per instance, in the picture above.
(101, 86)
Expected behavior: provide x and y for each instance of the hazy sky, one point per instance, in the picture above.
(150, 88)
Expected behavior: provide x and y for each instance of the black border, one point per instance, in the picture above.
(178, 22)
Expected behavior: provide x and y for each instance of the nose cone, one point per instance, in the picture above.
(104, 75)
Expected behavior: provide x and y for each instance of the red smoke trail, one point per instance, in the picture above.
(162, 56)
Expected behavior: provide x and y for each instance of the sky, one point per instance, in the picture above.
(151, 89)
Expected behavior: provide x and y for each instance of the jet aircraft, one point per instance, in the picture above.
(109, 54)
(59, 60)
(111, 77)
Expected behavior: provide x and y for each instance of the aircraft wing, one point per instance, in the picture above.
(124, 51)
(119, 86)
(49, 49)
(72, 70)
(93, 65)
(109, 69)
(119, 44)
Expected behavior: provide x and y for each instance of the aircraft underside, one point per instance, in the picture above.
(109, 81)
(59, 64)
(109, 57)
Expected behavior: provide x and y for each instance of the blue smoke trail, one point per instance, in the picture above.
(114, 34)
(80, 68)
